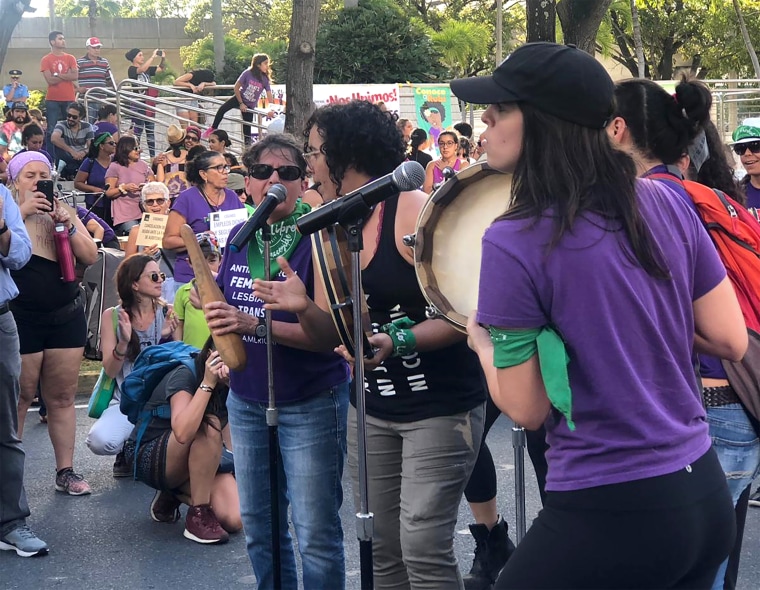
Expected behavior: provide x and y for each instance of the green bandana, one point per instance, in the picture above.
(285, 238)
(514, 347)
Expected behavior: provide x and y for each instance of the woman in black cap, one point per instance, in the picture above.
(595, 289)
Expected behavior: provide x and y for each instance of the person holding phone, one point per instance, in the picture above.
(50, 315)
(124, 177)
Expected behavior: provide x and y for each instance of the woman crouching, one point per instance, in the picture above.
(179, 457)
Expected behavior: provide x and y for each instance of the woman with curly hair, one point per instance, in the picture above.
(422, 452)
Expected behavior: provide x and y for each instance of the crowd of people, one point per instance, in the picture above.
(600, 292)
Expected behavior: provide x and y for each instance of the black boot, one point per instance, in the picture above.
(492, 550)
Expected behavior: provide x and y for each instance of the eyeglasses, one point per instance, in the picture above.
(753, 146)
(135, 149)
(311, 154)
(157, 276)
(72, 117)
(159, 201)
(221, 168)
(192, 138)
(264, 171)
(447, 143)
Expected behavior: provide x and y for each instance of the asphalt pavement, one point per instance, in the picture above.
(108, 541)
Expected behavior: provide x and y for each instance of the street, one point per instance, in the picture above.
(108, 541)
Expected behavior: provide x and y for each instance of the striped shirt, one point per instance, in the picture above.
(94, 73)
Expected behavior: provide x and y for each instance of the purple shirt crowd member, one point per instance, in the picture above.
(125, 177)
(594, 289)
(208, 172)
(249, 87)
(91, 176)
(106, 235)
(311, 389)
(657, 128)
(425, 398)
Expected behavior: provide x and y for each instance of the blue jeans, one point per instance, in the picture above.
(312, 437)
(55, 110)
(738, 448)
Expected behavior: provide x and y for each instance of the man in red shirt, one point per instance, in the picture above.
(60, 72)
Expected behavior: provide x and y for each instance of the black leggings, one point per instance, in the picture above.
(671, 531)
(482, 484)
(230, 104)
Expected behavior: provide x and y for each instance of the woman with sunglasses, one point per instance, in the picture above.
(746, 145)
(208, 172)
(142, 320)
(50, 316)
(155, 199)
(448, 144)
(125, 177)
(662, 132)
(192, 137)
(311, 390)
(91, 177)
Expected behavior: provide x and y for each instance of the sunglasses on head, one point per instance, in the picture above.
(264, 171)
(157, 277)
(753, 146)
(158, 201)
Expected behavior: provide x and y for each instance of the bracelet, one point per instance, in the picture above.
(119, 356)
(205, 387)
(404, 340)
(72, 230)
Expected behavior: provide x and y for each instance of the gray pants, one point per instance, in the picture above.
(14, 508)
(417, 473)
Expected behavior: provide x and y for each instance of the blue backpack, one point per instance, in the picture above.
(150, 367)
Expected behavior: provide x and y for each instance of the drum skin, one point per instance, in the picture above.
(447, 246)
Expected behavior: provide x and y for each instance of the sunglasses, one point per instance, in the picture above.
(221, 168)
(72, 117)
(135, 149)
(264, 171)
(753, 146)
(192, 138)
(447, 143)
(159, 201)
(14, 77)
(239, 191)
(157, 277)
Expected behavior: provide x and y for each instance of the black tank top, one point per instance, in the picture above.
(424, 384)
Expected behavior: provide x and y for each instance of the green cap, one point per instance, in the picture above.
(745, 134)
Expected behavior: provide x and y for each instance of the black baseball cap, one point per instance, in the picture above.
(20, 106)
(560, 80)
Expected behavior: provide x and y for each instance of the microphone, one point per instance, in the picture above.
(274, 197)
(356, 204)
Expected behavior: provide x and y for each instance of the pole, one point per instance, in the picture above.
(499, 28)
(518, 444)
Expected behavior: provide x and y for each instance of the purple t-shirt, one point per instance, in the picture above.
(192, 205)
(85, 216)
(753, 195)
(298, 374)
(251, 88)
(629, 336)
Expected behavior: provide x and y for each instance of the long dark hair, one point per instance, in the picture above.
(717, 171)
(29, 131)
(94, 151)
(572, 170)
(216, 408)
(129, 272)
(256, 61)
(124, 146)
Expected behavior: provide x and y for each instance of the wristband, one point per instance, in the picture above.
(205, 387)
(72, 230)
(119, 356)
(404, 340)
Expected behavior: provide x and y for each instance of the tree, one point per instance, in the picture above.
(374, 43)
(747, 40)
(461, 44)
(300, 75)
(92, 9)
(637, 42)
(580, 21)
(200, 54)
(540, 20)
(10, 15)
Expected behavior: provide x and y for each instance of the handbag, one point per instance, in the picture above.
(102, 393)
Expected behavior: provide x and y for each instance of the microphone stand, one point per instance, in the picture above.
(364, 518)
(272, 419)
(518, 444)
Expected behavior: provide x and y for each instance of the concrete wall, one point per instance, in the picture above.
(30, 43)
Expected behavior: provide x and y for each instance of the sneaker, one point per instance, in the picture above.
(24, 542)
(202, 526)
(754, 498)
(207, 133)
(165, 507)
(120, 466)
(71, 483)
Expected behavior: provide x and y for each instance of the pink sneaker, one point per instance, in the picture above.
(71, 483)
(207, 133)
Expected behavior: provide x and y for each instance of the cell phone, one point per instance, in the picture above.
(46, 187)
(160, 52)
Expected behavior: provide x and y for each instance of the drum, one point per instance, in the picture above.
(447, 240)
(332, 269)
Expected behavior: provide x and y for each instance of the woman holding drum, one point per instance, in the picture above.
(611, 282)
(424, 399)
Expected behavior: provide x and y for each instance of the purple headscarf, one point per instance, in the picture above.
(17, 163)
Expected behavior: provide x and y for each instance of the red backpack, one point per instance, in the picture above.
(736, 235)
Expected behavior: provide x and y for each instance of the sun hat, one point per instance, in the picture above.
(175, 134)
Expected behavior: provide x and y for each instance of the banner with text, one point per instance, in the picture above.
(432, 105)
(152, 227)
(324, 94)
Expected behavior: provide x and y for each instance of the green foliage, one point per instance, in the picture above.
(374, 43)
(241, 15)
(461, 44)
(105, 8)
(36, 99)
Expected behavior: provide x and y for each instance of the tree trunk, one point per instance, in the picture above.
(300, 77)
(9, 18)
(92, 16)
(747, 40)
(580, 21)
(637, 42)
(51, 12)
(218, 26)
(541, 20)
